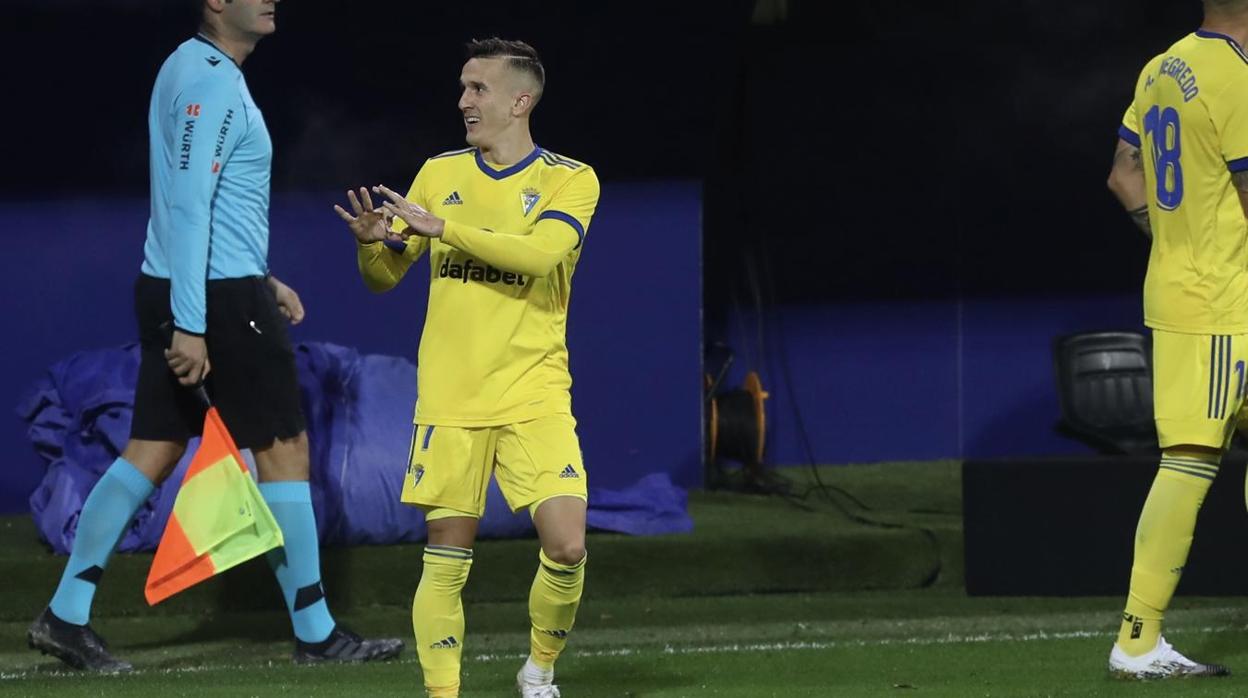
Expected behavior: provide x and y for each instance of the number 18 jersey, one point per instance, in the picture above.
(1189, 119)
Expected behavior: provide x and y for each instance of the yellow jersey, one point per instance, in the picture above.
(1190, 119)
(493, 350)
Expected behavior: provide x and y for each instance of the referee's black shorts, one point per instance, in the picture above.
(252, 384)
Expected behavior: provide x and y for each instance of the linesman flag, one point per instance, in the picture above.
(219, 519)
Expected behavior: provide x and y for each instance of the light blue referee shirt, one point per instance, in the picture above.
(210, 167)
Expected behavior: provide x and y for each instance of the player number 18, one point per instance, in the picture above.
(1162, 128)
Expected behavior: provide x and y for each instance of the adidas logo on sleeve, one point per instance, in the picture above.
(569, 472)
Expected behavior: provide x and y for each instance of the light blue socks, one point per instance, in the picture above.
(105, 515)
(298, 564)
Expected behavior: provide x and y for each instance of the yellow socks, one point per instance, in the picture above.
(1162, 541)
(438, 617)
(553, 600)
(438, 614)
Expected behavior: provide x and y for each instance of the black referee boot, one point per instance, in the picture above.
(76, 645)
(342, 645)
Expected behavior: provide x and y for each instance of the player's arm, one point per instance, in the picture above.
(403, 240)
(208, 119)
(558, 230)
(383, 264)
(383, 253)
(1126, 181)
(1126, 175)
(1240, 180)
(535, 254)
(1230, 117)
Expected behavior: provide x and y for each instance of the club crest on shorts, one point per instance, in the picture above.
(528, 199)
(416, 476)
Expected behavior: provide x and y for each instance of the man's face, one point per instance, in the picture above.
(250, 17)
(490, 94)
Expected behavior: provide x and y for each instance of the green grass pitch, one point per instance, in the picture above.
(886, 617)
(920, 643)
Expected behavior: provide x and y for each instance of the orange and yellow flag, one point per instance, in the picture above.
(219, 519)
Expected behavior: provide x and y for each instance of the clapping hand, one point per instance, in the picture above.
(418, 219)
(369, 224)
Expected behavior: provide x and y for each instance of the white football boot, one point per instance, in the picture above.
(1162, 662)
(535, 682)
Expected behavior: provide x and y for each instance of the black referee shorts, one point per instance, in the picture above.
(252, 384)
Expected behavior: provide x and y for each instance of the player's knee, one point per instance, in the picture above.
(296, 447)
(284, 459)
(455, 531)
(155, 459)
(566, 553)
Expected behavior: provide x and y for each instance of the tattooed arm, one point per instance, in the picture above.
(1126, 180)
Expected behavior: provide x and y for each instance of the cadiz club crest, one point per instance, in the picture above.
(528, 198)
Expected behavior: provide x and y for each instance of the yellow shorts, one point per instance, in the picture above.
(449, 467)
(1198, 387)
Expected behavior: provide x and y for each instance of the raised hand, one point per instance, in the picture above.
(368, 224)
(418, 219)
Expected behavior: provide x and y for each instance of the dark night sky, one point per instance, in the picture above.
(364, 89)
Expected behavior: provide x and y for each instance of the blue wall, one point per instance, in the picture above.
(877, 381)
(873, 381)
(634, 330)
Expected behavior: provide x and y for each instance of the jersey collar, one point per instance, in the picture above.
(1215, 35)
(505, 173)
(206, 40)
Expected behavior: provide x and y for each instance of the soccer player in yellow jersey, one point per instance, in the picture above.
(1181, 170)
(503, 222)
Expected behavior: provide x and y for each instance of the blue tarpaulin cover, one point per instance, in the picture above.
(358, 409)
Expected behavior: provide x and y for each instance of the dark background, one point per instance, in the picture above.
(889, 153)
(895, 149)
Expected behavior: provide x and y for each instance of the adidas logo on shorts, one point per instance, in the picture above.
(569, 472)
(449, 643)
